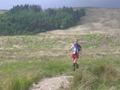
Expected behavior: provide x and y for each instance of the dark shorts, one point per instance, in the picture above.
(75, 56)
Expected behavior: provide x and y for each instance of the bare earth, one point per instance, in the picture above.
(55, 83)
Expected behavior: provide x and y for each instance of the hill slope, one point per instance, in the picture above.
(97, 20)
(2, 11)
(103, 26)
(25, 59)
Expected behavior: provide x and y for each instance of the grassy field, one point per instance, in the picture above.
(27, 59)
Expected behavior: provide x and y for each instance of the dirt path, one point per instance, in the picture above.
(55, 83)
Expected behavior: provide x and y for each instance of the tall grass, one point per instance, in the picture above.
(26, 59)
(97, 74)
(99, 78)
(20, 75)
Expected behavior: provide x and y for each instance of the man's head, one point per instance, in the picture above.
(75, 40)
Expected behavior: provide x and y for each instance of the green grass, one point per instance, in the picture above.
(97, 74)
(27, 59)
(20, 74)
(101, 77)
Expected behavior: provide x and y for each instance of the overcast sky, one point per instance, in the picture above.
(8, 4)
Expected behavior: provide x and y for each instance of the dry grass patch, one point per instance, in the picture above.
(102, 77)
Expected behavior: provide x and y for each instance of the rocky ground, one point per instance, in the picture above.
(55, 83)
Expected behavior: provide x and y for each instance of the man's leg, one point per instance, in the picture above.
(76, 64)
(73, 64)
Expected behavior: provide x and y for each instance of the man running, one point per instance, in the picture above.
(76, 50)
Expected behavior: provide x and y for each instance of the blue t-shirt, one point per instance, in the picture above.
(76, 48)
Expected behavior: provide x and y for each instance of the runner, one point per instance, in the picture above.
(76, 51)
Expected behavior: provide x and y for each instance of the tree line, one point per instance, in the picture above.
(32, 19)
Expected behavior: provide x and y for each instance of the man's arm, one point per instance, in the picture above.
(71, 48)
(80, 51)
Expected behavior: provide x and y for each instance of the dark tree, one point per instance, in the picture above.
(31, 19)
